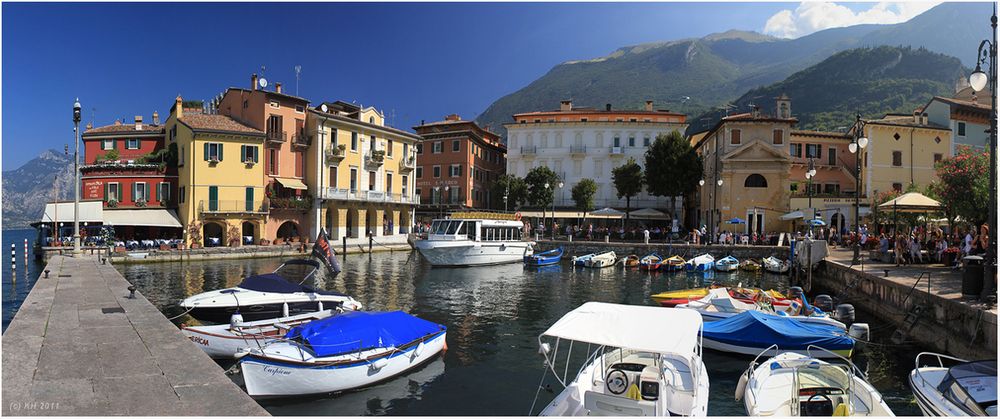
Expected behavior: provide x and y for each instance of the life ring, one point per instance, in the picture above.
(517, 216)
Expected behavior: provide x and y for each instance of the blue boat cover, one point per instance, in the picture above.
(756, 329)
(276, 283)
(357, 331)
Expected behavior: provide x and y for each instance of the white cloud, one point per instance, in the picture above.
(810, 17)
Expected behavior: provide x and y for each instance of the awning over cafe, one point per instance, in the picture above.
(149, 217)
(291, 183)
(90, 212)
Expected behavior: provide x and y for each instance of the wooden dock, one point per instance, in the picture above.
(79, 346)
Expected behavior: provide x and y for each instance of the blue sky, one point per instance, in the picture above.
(414, 61)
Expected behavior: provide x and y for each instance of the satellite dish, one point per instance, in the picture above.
(323, 108)
(263, 83)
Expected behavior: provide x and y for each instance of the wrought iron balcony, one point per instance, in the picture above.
(335, 155)
(408, 164)
(616, 151)
(368, 196)
(529, 150)
(578, 150)
(277, 136)
(375, 158)
(233, 207)
(301, 140)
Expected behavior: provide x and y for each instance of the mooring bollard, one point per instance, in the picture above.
(13, 257)
(46, 273)
(345, 245)
(370, 241)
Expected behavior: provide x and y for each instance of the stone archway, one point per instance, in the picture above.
(353, 223)
(371, 222)
(248, 230)
(213, 234)
(288, 230)
(403, 224)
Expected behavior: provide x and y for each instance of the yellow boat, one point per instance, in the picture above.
(674, 263)
(673, 298)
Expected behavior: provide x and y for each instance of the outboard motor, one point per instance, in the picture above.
(236, 320)
(824, 302)
(860, 332)
(795, 292)
(845, 313)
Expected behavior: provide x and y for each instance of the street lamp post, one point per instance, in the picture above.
(558, 185)
(810, 174)
(856, 147)
(715, 200)
(76, 178)
(978, 79)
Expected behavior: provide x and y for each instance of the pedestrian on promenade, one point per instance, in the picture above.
(645, 235)
(900, 245)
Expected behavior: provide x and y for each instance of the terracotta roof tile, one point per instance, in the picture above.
(124, 128)
(217, 123)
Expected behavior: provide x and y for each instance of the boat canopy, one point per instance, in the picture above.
(752, 327)
(358, 331)
(273, 282)
(631, 327)
(978, 380)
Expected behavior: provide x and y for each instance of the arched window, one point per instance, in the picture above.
(371, 119)
(755, 181)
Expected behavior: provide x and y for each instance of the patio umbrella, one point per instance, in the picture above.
(607, 212)
(649, 214)
(910, 202)
(816, 223)
(736, 220)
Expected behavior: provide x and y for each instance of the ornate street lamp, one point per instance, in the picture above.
(76, 178)
(810, 174)
(987, 54)
(856, 147)
(558, 185)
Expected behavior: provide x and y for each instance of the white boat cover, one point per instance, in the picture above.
(642, 328)
(148, 217)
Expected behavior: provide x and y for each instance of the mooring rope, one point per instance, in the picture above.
(538, 390)
(185, 312)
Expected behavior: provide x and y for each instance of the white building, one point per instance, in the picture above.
(580, 143)
(967, 115)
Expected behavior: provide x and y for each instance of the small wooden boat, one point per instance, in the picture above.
(630, 261)
(700, 263)
(550, 257)
(746, 295)
(751, 332)
(602, 260)
(582, 260)
(943, 390)
(650, 262)
(750, 265)
(727, 264)
(720, 304)
(777, 266)
(672, 264)
(226, 340)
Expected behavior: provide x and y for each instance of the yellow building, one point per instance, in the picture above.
(902, 150)
(221, 194)
(363, 181)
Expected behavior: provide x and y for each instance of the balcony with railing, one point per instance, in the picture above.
(577, 150)
(408, 164)
(616, 151)
(335, 154)
(529, 150)
(215, 206)
(369, 196)
(375, 158)
(302, 203)
(300, 140)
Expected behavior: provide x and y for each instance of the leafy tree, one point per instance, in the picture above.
(515, 189)
(111, 155)
(538, 195)
(583, 194)
(963, 185)
(673, 168)
(628, 182)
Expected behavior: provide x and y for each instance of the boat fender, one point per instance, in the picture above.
(241, 352)
(741, 386)
(319, 306)
(544, 349)
(845, 313)
(284, 309)
(380, 363)
(418, 350)
(859, 331)
(236, 320)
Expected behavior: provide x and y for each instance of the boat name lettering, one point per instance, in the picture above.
(277, 371)
(199, 340)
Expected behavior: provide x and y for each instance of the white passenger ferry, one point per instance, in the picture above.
(475, 238)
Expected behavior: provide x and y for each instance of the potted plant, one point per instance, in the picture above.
(112, 203)
(194, 233)
(233, 236)
(950, 255)
(140, 203)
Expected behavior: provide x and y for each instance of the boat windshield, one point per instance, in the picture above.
(973, 387)
(821, 388)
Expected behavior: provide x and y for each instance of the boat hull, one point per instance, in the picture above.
(267, 377)
(468, 253)
(222, 341)
(254, 312)
(756, 349)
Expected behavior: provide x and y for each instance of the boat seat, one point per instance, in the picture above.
(600, 404)
(678, 374)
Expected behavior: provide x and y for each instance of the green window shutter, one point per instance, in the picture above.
(106, 187)
(156, 194)
(114, 144)
(243, 153)
(255, 154)
(147, 192)
(220, 151)
(206, 151)
(133, 191)
(249, 204)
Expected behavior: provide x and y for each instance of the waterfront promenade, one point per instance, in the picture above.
(80, 346)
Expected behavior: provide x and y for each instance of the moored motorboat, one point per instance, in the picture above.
(602, 260)
(673, 263)
(226, 340)
(776, 266)
(650, 262)
(549, 257)
(963, 388)
(582, 259)
(751, 331)
(720, 304)
(700, 263)
(794, 384)
(342, 352)
(727, 264)
(750, 265)
(746, 295)
(630, 371)
(630, 261)
(473, 238)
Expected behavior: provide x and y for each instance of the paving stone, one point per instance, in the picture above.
(65, 396)
(119, 359)
(146, 395)
(67, 361)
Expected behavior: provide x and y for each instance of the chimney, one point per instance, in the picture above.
(649, 106)
(607, 107)
(916, 116)
(565, 105)
(924, 118)
(179, 105)
(156, 118)
(421, 122)
(755, 111)
(253, 82)
(89, 126)
(453, 117)
(138, 122)
(277, 87)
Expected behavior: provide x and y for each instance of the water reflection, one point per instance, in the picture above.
(494, 316)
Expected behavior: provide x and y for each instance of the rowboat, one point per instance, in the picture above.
(775, 265)
(631, 261)
(226, 340)
(602, 260)
(750, 265)
(963, 388)
(701, 263)
(582, 260)
(746, 295)
(339, 353)
(794, 384)
(650, 262)
(673, 263)
(752, 331)
(727, 264)
(550, 257)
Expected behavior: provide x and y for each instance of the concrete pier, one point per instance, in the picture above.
(80, 346)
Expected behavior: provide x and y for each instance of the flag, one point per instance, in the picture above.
(324, 252)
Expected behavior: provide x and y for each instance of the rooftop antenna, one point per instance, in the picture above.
(298, 71)
(726, 108)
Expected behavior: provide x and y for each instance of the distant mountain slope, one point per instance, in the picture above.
(872, 81)
(27, 188)
(718, 68)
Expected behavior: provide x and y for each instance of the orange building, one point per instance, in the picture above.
(283, 119)
(457, 164)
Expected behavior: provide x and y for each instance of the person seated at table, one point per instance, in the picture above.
(900, 246)
(883, 246)
(915, 254)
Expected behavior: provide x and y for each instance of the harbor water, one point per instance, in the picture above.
(494, 316)
(17, 282)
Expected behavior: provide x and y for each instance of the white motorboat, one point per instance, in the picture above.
(582, 259)
(226, 340)
(475, 238)
(634, 369)
(700, 263)
(719, 304)
(268, 296)
(793, 384)
(962, 389)
(776, 266)
(727, 264)
(602, 260)
(339, 353)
